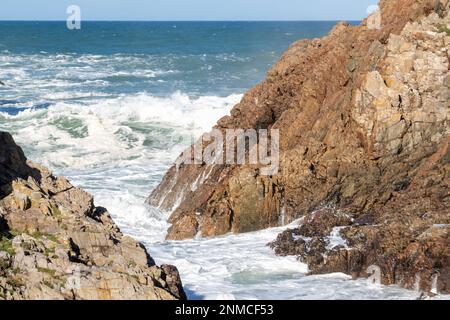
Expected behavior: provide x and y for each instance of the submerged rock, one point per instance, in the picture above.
(363, 115)
(55, 244)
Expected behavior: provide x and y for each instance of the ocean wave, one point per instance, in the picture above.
(123, 130)
(54, 96)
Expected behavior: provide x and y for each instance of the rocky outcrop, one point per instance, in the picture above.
(55, 244)
(363, 115)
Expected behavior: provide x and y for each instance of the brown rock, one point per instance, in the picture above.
(363, 117)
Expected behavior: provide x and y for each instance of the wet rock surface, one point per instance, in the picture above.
(55, 244)
(363, 115)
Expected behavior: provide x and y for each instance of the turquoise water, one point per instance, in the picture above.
(112, 105)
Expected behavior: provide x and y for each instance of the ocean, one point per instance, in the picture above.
(112, 105)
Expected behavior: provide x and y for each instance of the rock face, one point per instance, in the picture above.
(55, 244)
(363, 115)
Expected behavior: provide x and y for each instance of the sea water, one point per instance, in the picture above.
(111, 106)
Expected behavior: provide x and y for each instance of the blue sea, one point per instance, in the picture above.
(112, 105)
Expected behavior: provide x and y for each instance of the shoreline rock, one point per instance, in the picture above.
(55, 244)
(363, 115)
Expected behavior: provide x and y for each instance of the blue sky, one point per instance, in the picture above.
(187, 9)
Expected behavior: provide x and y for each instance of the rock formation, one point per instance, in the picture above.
(55, 244)
(363, 115)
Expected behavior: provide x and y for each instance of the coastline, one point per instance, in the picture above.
(360, 138)
(55, 244)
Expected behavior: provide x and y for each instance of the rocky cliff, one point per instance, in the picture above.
(363, 115)
(55, 244)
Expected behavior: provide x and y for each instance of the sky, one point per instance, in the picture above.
(187, 9)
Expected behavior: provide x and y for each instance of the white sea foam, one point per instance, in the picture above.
(335, 239)
(244, 267)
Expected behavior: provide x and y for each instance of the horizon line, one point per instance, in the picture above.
(200, 20)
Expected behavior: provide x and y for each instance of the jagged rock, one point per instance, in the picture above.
(363, 115)
(55, 244)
